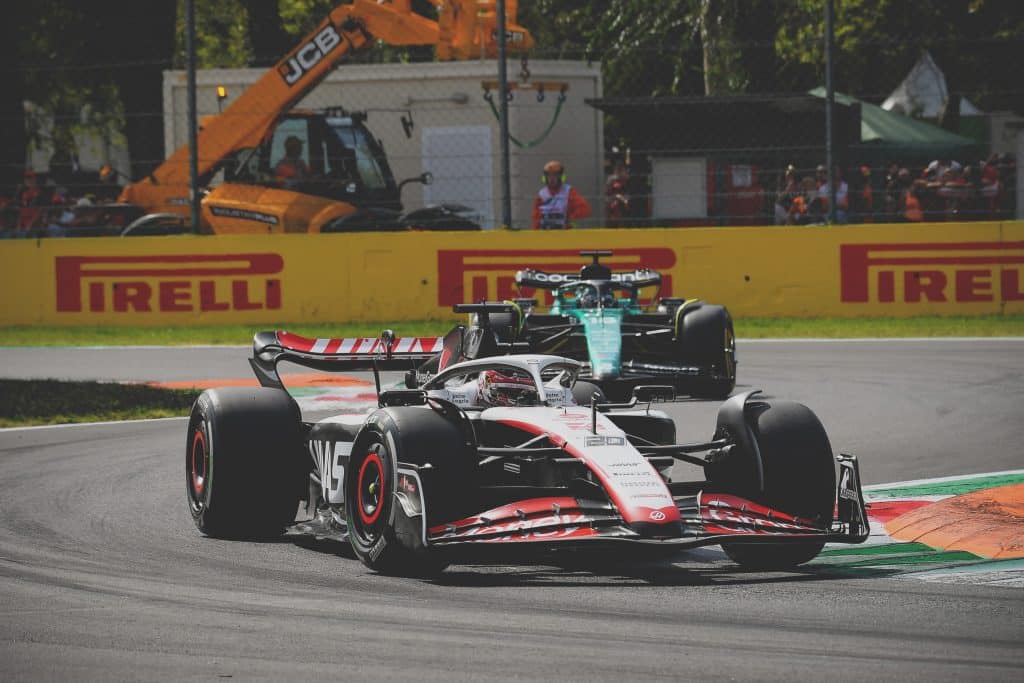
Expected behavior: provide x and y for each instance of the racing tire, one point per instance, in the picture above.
(156, 224)
(582, 391)
(799, 479)
(504, 325)
(245, 469)
(707, 340)
(381, 534)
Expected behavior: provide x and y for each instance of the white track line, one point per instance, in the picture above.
(938, 480)
(92, 424)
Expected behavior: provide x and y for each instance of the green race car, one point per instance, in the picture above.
(597, 319)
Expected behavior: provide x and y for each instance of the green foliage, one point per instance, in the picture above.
(877, 41)
(222, 35)
(68, 92)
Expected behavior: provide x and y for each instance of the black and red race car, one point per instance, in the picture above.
(511, 451)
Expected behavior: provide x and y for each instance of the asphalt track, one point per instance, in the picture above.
(104, 577)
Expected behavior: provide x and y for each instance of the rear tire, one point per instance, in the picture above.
(244, 467)
(707, 340)
(582, 392)
(505, 325)
(799, 479)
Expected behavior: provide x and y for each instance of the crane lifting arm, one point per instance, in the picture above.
(464, 29)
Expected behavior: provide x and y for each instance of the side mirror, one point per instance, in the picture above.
(651, 393)
(425, 178)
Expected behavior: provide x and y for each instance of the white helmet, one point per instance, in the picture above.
(499, 389)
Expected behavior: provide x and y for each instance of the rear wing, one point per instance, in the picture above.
(539, 279)
(387, 352)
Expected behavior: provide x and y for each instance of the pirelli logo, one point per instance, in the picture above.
(168, 283)
(958, 272)
(489, 274)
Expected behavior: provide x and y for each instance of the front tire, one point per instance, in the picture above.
(382, 535)
(244, 465)
(798, 478)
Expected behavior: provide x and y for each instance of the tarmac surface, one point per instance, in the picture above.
(104, 577)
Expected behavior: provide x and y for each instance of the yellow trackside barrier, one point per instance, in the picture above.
(879, 270)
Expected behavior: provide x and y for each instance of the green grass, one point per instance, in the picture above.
(36, 402)
(746, 328)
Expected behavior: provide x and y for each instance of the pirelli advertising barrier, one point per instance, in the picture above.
(883, 270)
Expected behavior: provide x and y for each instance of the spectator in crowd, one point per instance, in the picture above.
(616, 195)
(557, 203)
(788, 190)
(842, 194)
(909, 202)
(970, 207)
(954, 192)
(989, 187)
(8, 216)
(893, 193)
(291, 170)
(30, 205)
(865, 196)
(1007, 186)
(805, 208)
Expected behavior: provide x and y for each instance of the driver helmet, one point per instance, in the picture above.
(588, 297)
(498, 389)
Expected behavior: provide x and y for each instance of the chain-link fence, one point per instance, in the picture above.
(415, 144)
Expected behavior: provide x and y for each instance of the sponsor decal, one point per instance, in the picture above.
(309, 55)
(489, 274)
(244, 214)
(512, 37)
(600, 440)
(564, 525)
(847, 488)
(960, 272)
(186, 283)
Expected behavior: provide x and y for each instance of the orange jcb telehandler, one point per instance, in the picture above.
(345, 182)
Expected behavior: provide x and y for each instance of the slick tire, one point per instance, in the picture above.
(582, 391)
(505, 325)
(799, 478)
(707, 340)
(245, 469)
(381, 534)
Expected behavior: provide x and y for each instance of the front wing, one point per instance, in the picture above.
(706, 519)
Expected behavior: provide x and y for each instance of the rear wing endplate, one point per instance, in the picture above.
(387, 352)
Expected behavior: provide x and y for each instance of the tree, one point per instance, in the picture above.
(94, 69)
(977, 43)
(267, 36)
(12, 112)
(136, 40)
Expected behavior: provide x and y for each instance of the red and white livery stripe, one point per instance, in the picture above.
(358, 346)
